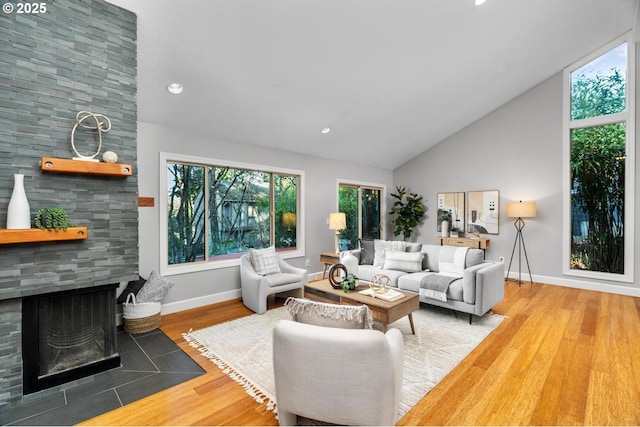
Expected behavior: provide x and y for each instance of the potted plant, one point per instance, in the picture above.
(408, 212)
(51, 219)
(349, 282)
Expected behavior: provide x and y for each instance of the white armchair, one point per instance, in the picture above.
(256, 288)
(339, 376)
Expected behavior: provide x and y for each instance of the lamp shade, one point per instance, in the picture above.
(521, 209)
(337, 221)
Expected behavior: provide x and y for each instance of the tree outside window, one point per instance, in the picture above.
(598, 163)
(236, 209)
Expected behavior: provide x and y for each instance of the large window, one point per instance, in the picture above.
(599, 164)
(361, 205)
(215, 211)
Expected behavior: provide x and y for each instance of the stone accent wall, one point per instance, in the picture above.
(77, 56)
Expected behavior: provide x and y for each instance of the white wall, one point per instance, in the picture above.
(321, 175)
(517, 149)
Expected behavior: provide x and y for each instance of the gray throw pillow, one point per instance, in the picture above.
(366, 252)
(156, 288)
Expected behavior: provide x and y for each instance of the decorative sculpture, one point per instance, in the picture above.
(334, 271)
(379, 284)
(100, 126)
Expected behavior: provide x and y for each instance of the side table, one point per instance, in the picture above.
(328, 258)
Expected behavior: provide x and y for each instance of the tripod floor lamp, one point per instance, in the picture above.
(520, 210)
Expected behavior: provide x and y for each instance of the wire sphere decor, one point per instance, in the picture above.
(379, 284)
(102, 125)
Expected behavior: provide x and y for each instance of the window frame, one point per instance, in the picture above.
(165, 268)
(628, 117)
(369, 185)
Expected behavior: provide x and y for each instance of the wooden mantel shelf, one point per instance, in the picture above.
(51, 164)
(36, 235)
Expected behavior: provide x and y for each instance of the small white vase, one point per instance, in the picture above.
(18, 213)
(445, 228)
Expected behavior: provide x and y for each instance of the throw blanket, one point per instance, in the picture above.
(435, 286)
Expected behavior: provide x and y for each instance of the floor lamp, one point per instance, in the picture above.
(520, 210)
(337, 221)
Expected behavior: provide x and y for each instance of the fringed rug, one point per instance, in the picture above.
(242, 349)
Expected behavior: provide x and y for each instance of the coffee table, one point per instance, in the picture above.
(385, 312)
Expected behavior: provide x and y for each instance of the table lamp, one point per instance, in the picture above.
(337, 221)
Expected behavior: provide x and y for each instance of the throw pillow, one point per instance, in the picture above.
(329, 315)
(413, 247)
(264, 261)
(409, 262)
(156, 288)
(452, 260)
(383, 246)
(133, 287)
(367, 252)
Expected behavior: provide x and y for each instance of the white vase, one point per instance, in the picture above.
(445, 228)
(18, 213)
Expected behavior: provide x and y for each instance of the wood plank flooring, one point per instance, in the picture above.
(561, 357)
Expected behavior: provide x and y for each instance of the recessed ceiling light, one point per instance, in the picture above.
(325, 130)
(479, 2)
(174, 88)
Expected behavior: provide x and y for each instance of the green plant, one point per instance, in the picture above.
(349, 282)
(51, 219)
(408, 212)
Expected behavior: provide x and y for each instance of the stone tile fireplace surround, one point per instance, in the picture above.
(78, 56)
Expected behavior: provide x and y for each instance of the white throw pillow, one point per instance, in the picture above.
(383, 246)
(329, 315)
(264, 261)
(409, 262)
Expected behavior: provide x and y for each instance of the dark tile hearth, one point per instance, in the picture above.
(151, 362)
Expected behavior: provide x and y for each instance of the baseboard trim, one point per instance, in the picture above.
(578, 284)
(174, 307)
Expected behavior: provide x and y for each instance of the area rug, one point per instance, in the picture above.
(242, 349)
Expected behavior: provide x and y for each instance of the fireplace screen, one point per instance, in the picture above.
(72, 332)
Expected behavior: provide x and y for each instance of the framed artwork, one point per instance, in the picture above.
(484, 212)
(451, 208)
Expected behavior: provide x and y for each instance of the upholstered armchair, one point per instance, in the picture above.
(339, 376)
(287, 280)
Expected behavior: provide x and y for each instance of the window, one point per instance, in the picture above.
(216, 211)
(599, 164)
(361, 205)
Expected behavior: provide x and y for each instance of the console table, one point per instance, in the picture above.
(480, 243)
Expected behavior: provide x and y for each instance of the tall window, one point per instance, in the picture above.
(361, 205)
(215, 213)
(599, 159)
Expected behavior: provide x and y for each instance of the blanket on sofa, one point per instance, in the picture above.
(435, 286)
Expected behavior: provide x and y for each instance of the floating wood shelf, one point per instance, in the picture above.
(51, 164)
(36, 235)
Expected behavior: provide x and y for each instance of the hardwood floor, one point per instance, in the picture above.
(561, 357)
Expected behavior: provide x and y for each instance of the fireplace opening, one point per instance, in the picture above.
(68, 335)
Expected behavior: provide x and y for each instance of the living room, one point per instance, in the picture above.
(515, 147)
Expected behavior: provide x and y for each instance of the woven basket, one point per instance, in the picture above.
(140, 317)
(142, 324)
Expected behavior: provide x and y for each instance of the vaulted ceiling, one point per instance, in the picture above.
(390, 78)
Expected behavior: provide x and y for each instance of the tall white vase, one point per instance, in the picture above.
(445, 228)
(18, 213)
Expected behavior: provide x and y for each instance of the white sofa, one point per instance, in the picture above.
(479, 287)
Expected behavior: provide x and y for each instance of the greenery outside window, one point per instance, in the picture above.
(362, 207)
(599, 177)
(217, 210)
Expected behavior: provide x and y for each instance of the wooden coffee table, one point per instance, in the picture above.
(385, 312)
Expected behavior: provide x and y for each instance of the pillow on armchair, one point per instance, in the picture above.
(329, 315)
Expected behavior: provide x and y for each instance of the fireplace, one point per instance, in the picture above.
(68, 335)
